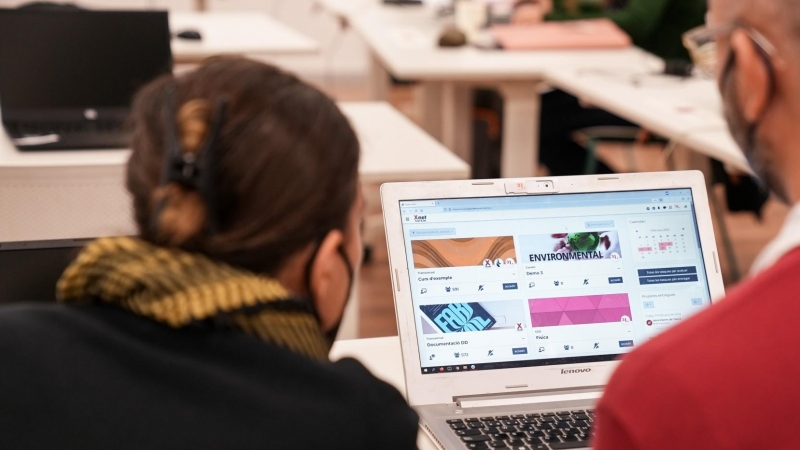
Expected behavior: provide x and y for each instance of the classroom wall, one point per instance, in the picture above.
(343, 57)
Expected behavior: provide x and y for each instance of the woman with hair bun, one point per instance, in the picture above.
(211, 329)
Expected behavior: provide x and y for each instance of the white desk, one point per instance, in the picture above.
(383, 358)
(718, 144)
(235, 33)
(75, 195)
(395, 149)
(403, 42)
(344, 9)
(689, 112)
(392, 149)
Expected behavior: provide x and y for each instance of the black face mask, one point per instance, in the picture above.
(331, 334)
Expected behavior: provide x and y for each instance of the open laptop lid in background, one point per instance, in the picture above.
(78, 64)
(511, 287)
(29, 271)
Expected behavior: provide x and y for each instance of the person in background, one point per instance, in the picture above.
(654, 25)
(212, 329)
(727, 378)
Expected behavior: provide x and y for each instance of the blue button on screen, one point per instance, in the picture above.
(624, 344)
(520, 351)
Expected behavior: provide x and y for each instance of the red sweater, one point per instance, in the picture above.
(728, 378)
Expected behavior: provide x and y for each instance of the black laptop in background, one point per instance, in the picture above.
(67, 77)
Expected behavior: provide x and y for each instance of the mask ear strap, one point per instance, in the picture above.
(752, 129)
(351, 272)
(310, 266)
(767, 61)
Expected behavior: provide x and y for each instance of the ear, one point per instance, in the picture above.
(752, 75)
(326, 279)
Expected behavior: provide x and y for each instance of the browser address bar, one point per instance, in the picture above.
(468, 208)
(603, 211)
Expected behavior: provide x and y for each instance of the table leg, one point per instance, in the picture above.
(379, 80)
(520, 129)
(428, 97)
(457, 109)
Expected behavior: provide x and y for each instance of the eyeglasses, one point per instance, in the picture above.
(702, 45)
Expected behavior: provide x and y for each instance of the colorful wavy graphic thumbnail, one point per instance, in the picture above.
(583, 310)
(430, 254)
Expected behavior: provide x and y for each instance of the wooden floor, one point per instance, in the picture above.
(377, 309)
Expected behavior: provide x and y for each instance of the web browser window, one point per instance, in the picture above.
(507, 282)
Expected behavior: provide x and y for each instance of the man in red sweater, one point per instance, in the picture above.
(728, 378)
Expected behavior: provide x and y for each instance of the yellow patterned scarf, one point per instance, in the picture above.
(181, 289)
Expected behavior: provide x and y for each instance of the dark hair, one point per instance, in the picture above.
(287, 168)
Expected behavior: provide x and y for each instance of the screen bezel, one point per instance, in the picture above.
(442, 388)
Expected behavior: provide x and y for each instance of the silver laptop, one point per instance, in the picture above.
(516, 298)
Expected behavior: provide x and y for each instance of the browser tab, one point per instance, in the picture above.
(418, 204)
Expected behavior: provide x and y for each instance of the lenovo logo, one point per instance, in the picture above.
(570, 371)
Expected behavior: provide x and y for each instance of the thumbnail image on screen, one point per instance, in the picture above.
(462, 252)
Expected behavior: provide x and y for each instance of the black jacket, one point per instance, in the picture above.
(97, 377)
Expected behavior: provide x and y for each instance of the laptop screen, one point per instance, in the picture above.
(79, 59)
(508, 282)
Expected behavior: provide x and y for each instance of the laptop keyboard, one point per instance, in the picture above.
(542, 431)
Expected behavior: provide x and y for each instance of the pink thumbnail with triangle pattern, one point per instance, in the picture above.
(588, 309)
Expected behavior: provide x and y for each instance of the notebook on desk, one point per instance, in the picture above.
(67, 77)
(573, 35)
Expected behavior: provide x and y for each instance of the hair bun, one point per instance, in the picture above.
(184, 214)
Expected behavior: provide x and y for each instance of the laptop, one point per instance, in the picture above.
(67, 77)
(571, 35)
(516, 298)
(29, 271)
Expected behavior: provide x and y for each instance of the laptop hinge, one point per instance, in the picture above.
(530, 397)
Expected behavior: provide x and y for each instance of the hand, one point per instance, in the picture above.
(531, 13)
